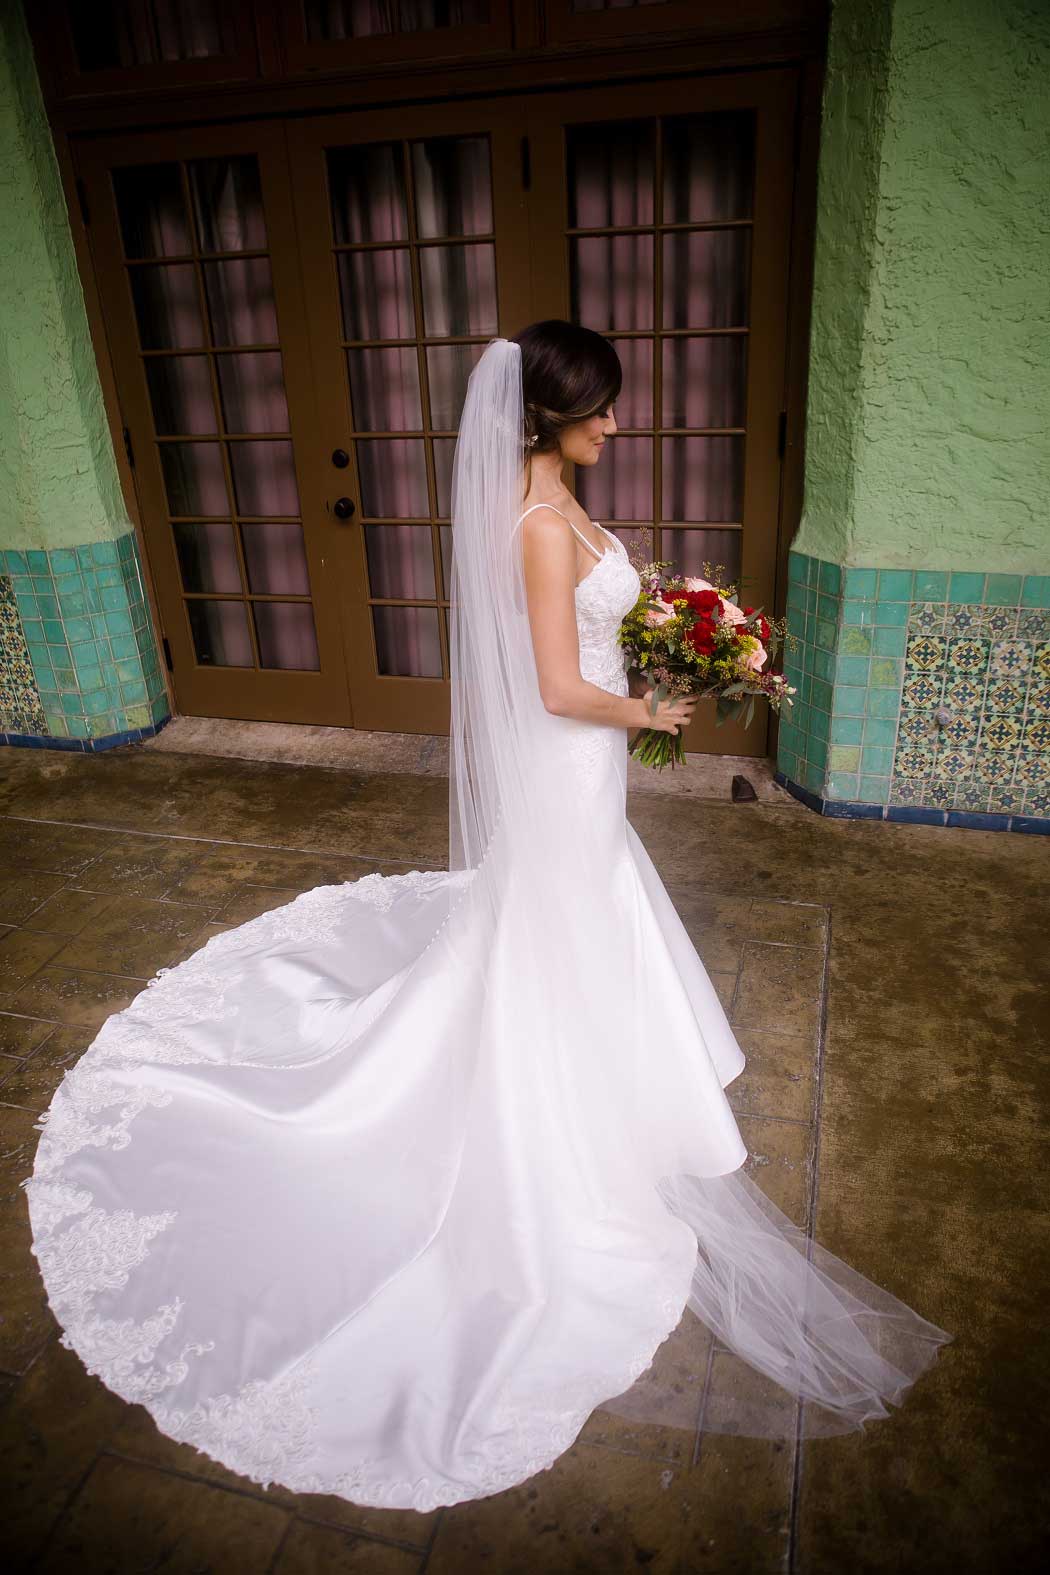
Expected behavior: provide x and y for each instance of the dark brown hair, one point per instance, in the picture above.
(568, 374)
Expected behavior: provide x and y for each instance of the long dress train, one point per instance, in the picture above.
(353, 1201)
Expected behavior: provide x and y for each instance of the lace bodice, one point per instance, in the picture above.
(608, 591)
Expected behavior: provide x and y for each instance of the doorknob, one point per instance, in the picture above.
(340, 458)
(343, 508)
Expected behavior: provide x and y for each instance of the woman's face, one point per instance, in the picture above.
(582, 442)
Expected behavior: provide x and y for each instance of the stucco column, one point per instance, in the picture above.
(919, 579)
(79, 666)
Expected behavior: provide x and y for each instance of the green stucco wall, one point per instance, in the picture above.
(58, 478)
(930, 349)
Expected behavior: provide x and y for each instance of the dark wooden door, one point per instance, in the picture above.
(194, 239)
(660, 216)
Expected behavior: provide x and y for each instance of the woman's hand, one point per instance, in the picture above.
(672, 714)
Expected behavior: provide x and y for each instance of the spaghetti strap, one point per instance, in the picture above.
(568, 522)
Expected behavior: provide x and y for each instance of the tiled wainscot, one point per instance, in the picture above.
(922, 695)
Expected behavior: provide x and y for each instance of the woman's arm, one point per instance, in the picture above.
(550, 583)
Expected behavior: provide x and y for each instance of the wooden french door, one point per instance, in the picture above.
(193, 237)
(660, 217)
(414, 244)
(294, 310)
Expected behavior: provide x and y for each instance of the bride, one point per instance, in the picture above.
(382, 1193)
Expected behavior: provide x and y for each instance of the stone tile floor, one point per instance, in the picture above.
(888, 986)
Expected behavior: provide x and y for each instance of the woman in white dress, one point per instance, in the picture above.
(383, 1192)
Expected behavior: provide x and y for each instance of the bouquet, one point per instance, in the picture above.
(689, 637)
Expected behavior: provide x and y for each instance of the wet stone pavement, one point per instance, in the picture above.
(886, 982)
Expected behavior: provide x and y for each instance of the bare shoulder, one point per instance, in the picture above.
(546, 529)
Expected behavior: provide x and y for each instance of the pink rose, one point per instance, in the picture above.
(658, 613)
(755, 660)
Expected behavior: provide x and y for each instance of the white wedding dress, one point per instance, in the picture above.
(352, 1202)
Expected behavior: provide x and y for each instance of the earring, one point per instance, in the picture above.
(529, 441)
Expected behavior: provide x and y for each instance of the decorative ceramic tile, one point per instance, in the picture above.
(950, 671)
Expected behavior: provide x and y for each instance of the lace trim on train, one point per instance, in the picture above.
(267, 1430)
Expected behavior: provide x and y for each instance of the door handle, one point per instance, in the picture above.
(342, 508)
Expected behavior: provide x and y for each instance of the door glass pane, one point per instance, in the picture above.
(180, 393)
(152, 211)
(707, 281)
(375, 288)
(194, 478)
(384, 389)
(367, 193)
(459, 289)
(328, 20)
(207, 556)
(444, 452)
(240, 301)
(227, 204)
(220, 633)
(612, 281)
(448, 371)
(167, 306)
(703, 478)
(705, 382)
(688, 550)
(286, 635)
(453, 186)
(709, 167)
(393, 478)
(400, 561)
(407, 641)
(114, 34)
(251, 386)
(620, 486)
(611, 174)
(275, 558)
(264, 478)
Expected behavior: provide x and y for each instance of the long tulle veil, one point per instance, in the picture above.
(833, 1346)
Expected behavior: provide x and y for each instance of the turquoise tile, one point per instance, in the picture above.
(103, 724)
(29, 606)
(85, 558)
(104, 551)
(128, 670)
(54, 631)
(48, 606)
(74, 604)
(894, 614)
(133, 693)
(112, 688)
(877, 759)
(160, 709)
(843, 786)
(819, 726)
(66, 583)
(966, 587)
(895, 585)
(64, 561)
(42, 584)
(846, 729)
(854, 641)
(931, 585)
(880, 730)
(1036, 590)
(79, 629)
(23, 587)
(861, 582)
(823, 663)
(33, 630)
(890, 642)
(72, 704)
(886, 673)
(56, 725)
(125, 647)
(827, 607)
(118, 622)
(109, 576)
(884, 703)
(820, 694)
(139, 716)
(66, 678)
(796, 567)
(95, 702)
(855, 611)
(851, 669)
(114, 598)
(84, 654)
(844, 757)
(824, 634)
(848, 700)
(829, 577)
(39, 652)
(814, 777)
(787, 761)
(874, 790)
(1004, 590)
